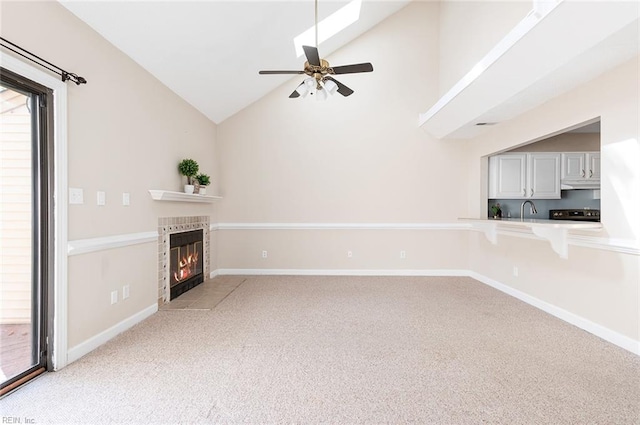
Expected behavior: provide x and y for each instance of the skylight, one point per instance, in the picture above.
(329, 26)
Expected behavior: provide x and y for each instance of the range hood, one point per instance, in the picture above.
(579, 184)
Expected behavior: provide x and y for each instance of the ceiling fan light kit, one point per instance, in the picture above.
(330, 87)
(320, 82)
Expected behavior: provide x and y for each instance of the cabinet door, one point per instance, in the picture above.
(508, 176)
(573, 166)
(593, 162)
(544, 176)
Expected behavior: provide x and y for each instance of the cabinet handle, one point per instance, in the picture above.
(531, 192)
(582, 173)
(524, 192)
(590, 173)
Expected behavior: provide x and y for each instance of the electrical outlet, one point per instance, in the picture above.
(126, 199)
(114, 297)
(349, 254)
(125, 292)
(76, 196)
(101, 198)
(515, 271)
(264, 254)
(403, 254)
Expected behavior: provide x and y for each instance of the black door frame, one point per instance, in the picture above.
(41, 106)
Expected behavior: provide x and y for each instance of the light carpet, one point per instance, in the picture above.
(345, 350)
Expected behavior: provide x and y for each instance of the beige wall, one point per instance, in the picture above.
(598, 285)
(93, 276)
(324, 251)
(126, 133)
(469, 30)
(360, 159)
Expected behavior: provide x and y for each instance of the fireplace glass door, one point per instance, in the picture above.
(186, 261)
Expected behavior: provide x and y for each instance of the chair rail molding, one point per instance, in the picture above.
(490, 229)
(84, 246)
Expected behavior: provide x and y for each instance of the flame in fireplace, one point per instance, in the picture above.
(186, 267)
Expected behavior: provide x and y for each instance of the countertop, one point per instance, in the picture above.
(530, 222)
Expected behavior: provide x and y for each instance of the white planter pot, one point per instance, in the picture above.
(188, 188)
(203, 190)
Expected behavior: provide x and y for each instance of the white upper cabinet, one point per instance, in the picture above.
(524, 176)
(544, 175)
(580, 166)
(593, 160)
(507, 176)
(573, 166)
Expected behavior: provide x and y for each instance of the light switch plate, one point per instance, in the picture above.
(126, 199)
(101, 198)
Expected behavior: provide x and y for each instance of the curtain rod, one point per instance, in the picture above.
(66, 76)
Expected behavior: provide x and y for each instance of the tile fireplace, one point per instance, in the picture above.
(183, 255)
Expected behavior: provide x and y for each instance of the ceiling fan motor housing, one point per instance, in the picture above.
(318, 72)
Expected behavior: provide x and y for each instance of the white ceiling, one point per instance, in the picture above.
(210, 52)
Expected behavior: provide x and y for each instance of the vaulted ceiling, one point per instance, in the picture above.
(209, 52)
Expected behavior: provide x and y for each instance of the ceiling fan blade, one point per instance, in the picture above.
(312, 55)
(352, 69)
(295, 92)
(279, 72)
(342, 89)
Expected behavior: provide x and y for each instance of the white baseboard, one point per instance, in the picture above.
(213, 274)
(91, 344)
(607, 334)
(341, 272)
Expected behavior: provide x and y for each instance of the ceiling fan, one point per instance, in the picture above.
(320, 81)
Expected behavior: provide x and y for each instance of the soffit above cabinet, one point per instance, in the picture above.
(549, 52)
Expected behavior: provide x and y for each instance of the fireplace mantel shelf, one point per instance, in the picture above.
(167, 195)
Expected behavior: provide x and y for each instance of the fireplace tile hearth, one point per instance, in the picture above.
(207, 295)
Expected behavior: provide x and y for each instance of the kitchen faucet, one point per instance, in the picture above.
(533, 208)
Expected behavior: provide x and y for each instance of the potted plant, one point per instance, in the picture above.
(204, 180)
(496, 211)
(189, 169)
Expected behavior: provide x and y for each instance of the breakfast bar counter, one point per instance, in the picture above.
(552, 230)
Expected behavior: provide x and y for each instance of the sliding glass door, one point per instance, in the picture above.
(25, 181)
